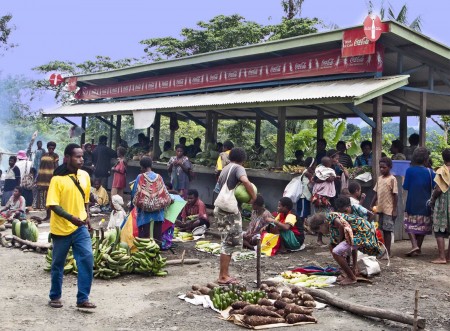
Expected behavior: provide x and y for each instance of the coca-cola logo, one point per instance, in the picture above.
(232, 74)
(300, 66)
(165, 83)
(357, 59)
(275, 69)
(213, 77)
(179, 81)
(197, 79)
(361, 42)
(327, 63)
(151, 85)
(253, 72)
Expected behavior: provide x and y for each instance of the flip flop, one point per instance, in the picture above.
(86, 305)
(55, 303)
(412, 251)
(230, 281)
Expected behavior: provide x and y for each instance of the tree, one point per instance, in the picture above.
(444, 124)
(5, 31)
(292, 8)
(401, 17)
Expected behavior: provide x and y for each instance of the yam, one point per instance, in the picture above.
(190, 295)
(309, 303)
(280, 312)
(265, 302)
(293, 308)
(307, 297)
(197, 292)
(261, 320)
(296, 289)
(296, 318)
(279, 304)
(264, 287)
(270, 283)
(287, 300)
(204, 290)
(285, 294)
(196, 287)
(271, 308)
(212, 285)
(236, 312)
(274, 296)
(259, 311)
(272, 289)
(239, 304)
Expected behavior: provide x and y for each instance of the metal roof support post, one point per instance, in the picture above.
(83, 127)
(320, 124)
(404, 124)
(281, 136)
(156, 130)
(118, 128)
(423, 119)
(377, 137)
(258, 130)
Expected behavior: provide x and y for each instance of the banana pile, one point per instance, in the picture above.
(292, 169)
(305, 280)
(183, 236)
(147, 259)
(208, 247)
(69, 266)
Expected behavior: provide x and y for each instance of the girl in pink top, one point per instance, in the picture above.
(120, 172)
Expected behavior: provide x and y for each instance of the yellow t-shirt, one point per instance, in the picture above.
(219, 165)
(63, 192)
(102, 196)
(290, 219)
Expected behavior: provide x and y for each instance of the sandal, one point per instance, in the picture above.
(55, 303)
(87, 305)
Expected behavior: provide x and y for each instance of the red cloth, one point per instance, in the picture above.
(282, 219)
(198, 208)
(119, 180)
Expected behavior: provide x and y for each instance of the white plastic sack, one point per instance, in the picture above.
(294, 189)
(368, 265)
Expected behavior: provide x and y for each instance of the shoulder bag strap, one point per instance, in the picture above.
(228, 174)
(77, 184)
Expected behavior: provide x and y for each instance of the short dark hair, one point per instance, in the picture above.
(87, 145)
(299, 152)
(259, 201)
(366, 143)
(342, 202)
(141, 135)
(51, 144)
(322, 140)
(446, 155)
(398, 145)
(228, 144)
(420, 155)
(18, 188)
(102, 139)
(316, 221)
(97, 180)
(39, 142)
(198, 139)
(121, 150)
(332, 152)
(182, 138)
(193, 192)
(353, 186)
(238, 155)
(414, 139)
(340, 142)
(286, 202)
(69, 149)
(13, 157)
(146, 162)
(181, 147)
(387, 161)
(308, 161)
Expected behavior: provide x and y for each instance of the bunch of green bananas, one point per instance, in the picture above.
(69, 266)
(147, 259)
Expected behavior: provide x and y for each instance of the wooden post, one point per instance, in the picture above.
(423, 119)
(258, 262)
(281, 136)
(320, 124)
(156, 130)
(215, 123)
(404, 124)
(118, 127)
(172, 138)
(83, 127)
(377, 137)
(209, 127)
(416, 309)
(258, 130)
(111, 119)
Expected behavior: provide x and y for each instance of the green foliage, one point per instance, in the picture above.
(436, 144)
(293, 27)
(292, 8)
(5, 31)
(401, 17)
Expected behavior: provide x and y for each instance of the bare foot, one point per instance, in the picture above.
(340, 278)
(347, 281)
(439, 261)
(413, 251)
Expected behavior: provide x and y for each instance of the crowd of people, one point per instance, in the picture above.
(330, 203)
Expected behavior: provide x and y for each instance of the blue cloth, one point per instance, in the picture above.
(361, 160)
(144, 217)
(303, 208)
(82, 251)
(418, 182)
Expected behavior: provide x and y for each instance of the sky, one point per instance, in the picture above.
(77, 31)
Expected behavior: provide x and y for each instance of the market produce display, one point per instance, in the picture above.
(208, 247)
(305, 280)
(293, 169)
(355, 172)
(26, 230)
(183, 236)
(113, 258)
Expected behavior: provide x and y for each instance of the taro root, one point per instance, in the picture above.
(239, 304)
(307, 297)
(274, 296)
(196, 287)
(197, 292)
(270, 283)
(296, 318)
(287, 300)
(265, 302)
(259, 311)
(212, 285)
(309, 303)
(204, 290)
(293, 308)
(264, 287)
(236, 312)
(190, 295)
(279, 304)
(261, 320)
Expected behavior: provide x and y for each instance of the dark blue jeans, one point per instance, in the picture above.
(82, 251)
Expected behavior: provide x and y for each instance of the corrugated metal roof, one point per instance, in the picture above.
(353, 91)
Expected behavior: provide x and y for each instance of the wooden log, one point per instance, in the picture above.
(31, 243)
(364, 310)
(185, 261)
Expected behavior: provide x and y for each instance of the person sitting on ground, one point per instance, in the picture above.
(285, 225)
(259, 219)
(99, 198)
(193, 214)
(385, 198)
(118, 214)
(299, 155)
(397, 150)
(348, 234)
(15, 207)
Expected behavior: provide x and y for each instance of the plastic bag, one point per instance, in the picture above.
(270, 243)
(294, 189)
(368, 265)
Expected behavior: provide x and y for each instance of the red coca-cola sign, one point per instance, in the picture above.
(55, 79)
(373, 27)
(355, 43)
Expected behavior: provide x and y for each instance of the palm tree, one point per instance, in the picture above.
(292, 8)
(401, 17)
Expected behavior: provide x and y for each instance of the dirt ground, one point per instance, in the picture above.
(134, 302)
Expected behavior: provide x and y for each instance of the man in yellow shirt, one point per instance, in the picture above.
(68, 198)
(224, 159)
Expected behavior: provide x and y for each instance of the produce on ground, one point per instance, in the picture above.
(208, 247)
(26, 230)
(304, 280)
